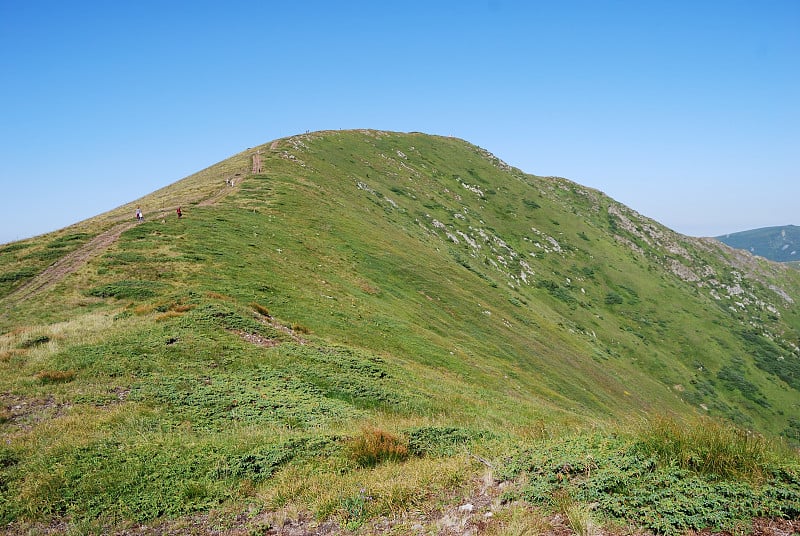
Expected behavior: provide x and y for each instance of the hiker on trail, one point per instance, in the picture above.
(139, 216)
(179, 212)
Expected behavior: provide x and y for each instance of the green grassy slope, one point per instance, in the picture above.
(779, 244)
(405, 281)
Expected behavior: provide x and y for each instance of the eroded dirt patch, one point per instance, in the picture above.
(254, 338)
(27, 412)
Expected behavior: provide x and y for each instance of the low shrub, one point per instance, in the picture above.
(34, 341)
(440, 440)
(128, 290)
(10, 277)
(667, 478)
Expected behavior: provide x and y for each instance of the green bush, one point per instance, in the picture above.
(34, 341)
(440, 440)
(24, 273)
(136, 290)
(670, 478)
(68, 240)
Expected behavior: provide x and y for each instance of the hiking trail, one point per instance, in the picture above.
(73, 261)
(69, 263)
(214, 198)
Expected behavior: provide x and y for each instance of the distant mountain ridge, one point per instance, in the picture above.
(781, 244)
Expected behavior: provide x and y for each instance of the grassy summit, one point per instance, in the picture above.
(369, 322)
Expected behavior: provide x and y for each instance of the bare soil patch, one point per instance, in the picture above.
(25, 413)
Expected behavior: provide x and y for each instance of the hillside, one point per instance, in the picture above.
(359, 327)
(779, 244)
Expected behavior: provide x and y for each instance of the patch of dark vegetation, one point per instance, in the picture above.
(70, 240)
(671, 481)
(34, 341)
(46, 255)
(305, 388)
(136, 290)
(792, 431)
(254, 397)
(8, 458)
(260, 465)
(17, 275)
(769, 357)
(124, 257)
(349, 375)
(557, 291)
(442, 440)
(14, 247)
(229, 318)
(732, 375)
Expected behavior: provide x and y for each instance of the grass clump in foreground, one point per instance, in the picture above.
(669, 478)
(709, 448)
(374, 446)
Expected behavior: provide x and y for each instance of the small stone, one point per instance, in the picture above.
(466, 507)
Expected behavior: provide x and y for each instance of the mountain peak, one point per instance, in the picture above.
(414, 287)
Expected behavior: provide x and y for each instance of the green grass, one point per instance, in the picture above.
(379, 292)
(670, 477)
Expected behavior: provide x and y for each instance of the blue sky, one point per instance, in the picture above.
(686, 111)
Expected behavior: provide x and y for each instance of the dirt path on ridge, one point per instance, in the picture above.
(69, 263)
(217, 196)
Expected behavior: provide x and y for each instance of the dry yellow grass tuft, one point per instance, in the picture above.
(260, 309)
(166, 316)
(374, 446)
(55, 376)
(143, 309)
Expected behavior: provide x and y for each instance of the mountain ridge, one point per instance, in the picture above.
(629, 229)
(406, 281)
(778, 243)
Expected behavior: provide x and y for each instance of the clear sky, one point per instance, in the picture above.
(686, 111)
